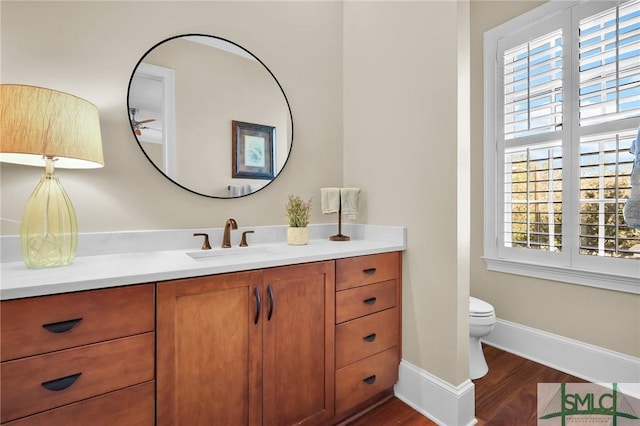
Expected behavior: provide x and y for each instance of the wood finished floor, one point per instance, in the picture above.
(506, 396)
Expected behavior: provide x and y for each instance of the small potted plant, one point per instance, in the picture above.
(298, 212)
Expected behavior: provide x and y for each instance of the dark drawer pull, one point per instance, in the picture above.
(256, 292)
(61, 383)
(272, 302)
(370, 301)
(62, 326)
(370, 380)
(370, 338)
(369, 271)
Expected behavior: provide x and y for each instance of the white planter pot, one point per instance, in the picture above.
(298, 236)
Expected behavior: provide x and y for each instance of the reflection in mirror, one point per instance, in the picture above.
(185, 95)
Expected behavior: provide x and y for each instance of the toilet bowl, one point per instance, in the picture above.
(482, 318)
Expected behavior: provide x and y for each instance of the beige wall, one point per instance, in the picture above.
(603, 318)
(401, 140)
(90, 48)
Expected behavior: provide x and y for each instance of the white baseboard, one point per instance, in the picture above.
(434, 398)
(450, 405)
(588, 362)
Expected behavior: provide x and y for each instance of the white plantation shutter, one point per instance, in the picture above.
(609, 92)
(533, 87)
(533, 197)
(609, 65)
(605, 185)
(533, 92)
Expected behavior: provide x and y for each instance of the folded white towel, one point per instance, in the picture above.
(239, 190)
(330, 200)
(350, 199)
(632, 208)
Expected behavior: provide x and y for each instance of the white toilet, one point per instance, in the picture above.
(482, 318)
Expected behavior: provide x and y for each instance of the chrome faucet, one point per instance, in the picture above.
(226, 237)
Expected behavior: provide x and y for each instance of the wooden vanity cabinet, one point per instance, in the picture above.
(75, 357)
(368, 330)
(309, 344)
(247, 348)
(298, 342)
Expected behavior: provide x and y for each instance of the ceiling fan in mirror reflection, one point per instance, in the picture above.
(139, 125)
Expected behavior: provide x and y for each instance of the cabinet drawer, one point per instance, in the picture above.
(366, 378)
(363, 270)
(131, 406)
(34, 384)
(365, 300)
(44, 324)
(366, 336)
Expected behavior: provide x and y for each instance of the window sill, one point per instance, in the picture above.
(597, 279)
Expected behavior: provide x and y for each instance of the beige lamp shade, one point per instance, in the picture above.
(36, 123)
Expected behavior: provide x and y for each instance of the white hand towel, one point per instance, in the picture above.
(330, 200)
(631, 209)
(239, 190)
(350, 198)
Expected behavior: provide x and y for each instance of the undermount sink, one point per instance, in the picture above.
(233, 251)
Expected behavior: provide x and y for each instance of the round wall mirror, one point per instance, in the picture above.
(210, 116)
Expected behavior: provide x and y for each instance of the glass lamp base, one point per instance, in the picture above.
(49, 230)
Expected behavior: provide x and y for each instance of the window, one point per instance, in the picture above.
(562, 107)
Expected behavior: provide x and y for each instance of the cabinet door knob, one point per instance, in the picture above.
(272, 302)
(370, 301)
(61, 383)
(369, 271)
(370, 380)
(62, 326)
(256, 292)
(370, 338)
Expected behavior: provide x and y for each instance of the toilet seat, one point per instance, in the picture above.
(480, 308)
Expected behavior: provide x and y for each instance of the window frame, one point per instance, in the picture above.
(568, 265)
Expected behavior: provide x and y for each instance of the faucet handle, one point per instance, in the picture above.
(205, 243)
(243, 241)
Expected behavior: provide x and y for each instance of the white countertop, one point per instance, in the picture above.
(123, 268)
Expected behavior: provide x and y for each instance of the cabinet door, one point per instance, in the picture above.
(298, 341)
(209, 362)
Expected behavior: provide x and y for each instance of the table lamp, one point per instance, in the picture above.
(44, 127)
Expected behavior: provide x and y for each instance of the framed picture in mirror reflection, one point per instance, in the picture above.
(252, 149)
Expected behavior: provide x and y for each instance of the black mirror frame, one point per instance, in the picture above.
(257, 59)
